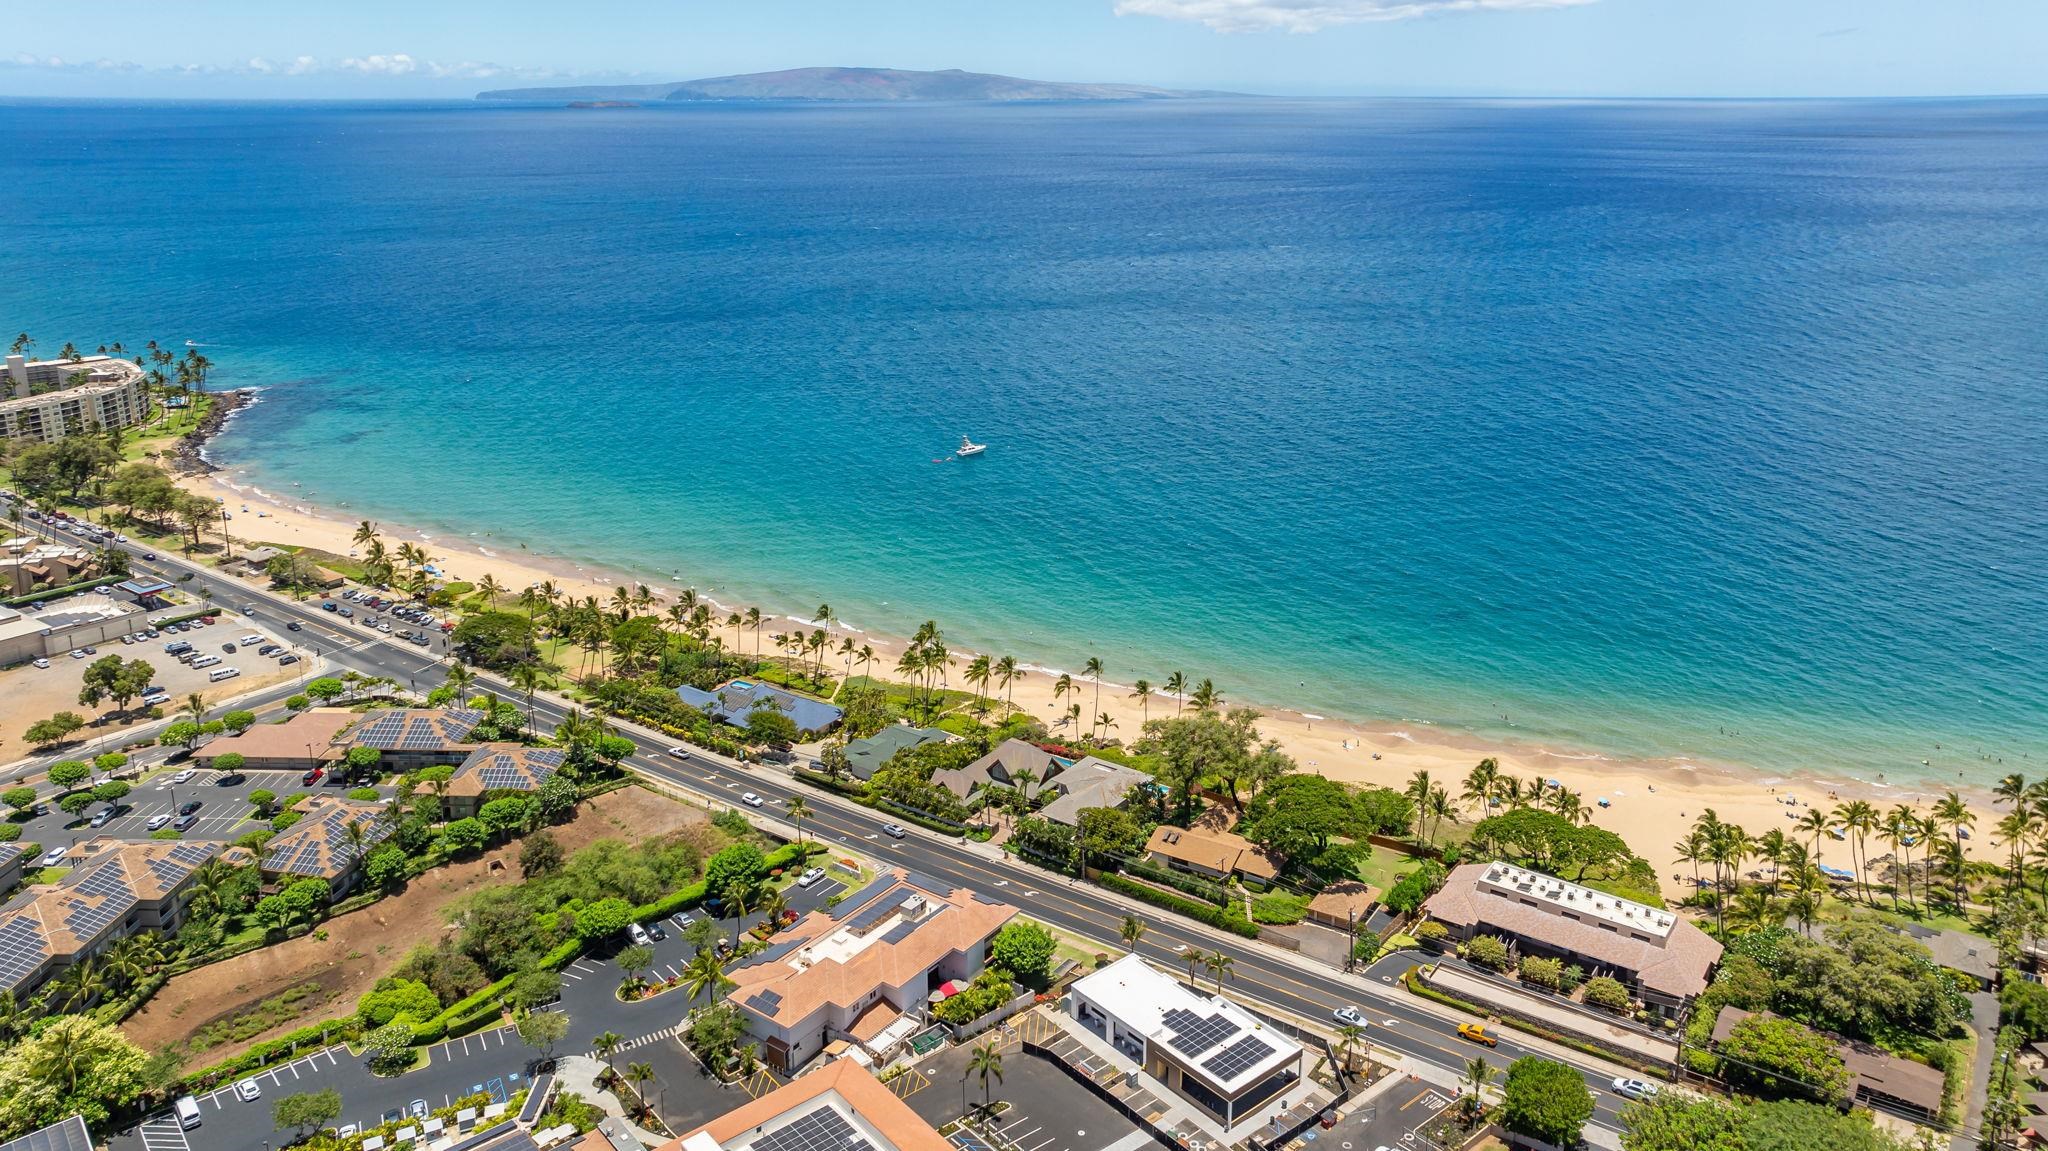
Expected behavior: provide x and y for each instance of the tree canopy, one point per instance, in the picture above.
(73, 1064)
(1024, 949)
(1546, 1100)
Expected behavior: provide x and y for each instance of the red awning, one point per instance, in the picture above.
(950, 988)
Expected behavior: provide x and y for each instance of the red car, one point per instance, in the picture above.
(312, 777)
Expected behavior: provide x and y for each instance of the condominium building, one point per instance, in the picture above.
(27, 563)
(49, 399)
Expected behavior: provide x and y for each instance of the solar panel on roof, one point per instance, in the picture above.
(859, 899)
(821, 1130)
(21, 950)
(69, 1135)
(927, 883)
(765, 1001)
(1194, 1034)
(771, 954)
(87, 919)
(873, 914)
(1238, 1058)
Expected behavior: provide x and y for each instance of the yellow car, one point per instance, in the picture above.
(1478, 1033)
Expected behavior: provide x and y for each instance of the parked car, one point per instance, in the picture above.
(184, 776)
(53, 857)
(41, 662)
(659, 932)
(103, 817)
(192, 806)
(248, 1091)
(1635, 1088)
(184, 822)
(893, 831)
(418, 1109)
(638, 934)
(810, 876)
(682, 920)
(287, 658)
(312, 777)
(159, 821)
(228, 648)
(329, 605)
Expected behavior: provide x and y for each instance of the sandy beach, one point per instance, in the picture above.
(1652, 804)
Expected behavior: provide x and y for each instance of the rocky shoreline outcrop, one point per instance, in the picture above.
(189, 457)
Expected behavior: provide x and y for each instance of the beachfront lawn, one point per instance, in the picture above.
(1385, 867)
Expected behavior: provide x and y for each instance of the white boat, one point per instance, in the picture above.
(970, 448)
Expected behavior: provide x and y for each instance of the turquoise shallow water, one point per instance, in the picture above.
(1705, 430)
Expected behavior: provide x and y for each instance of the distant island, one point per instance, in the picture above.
(822, 84)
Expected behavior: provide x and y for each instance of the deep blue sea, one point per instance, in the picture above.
(1715, 430)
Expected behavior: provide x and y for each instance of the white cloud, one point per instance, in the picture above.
(302, 66)
(260, 65)
(397, 64)
(1313, 15)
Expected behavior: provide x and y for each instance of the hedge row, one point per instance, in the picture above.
(1230, 920)
(344, 1029)
(1193, 885)
(1417, 986)
(59, 592)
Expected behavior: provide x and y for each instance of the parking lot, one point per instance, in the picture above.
(493, 1062)
(1395, 1117)
(1047, 1111)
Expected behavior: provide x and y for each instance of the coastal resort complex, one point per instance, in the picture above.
(1656, 953)
(330, 841)
(863, 972)
(1205, 1049)
(113, 890)
(49, 399)
(496, 769)
(839, 1108)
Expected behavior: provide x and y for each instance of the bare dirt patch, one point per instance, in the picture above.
(362, 946)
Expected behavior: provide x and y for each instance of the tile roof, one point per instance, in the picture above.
(317, 845)
(732, 702)
(424, 729)
(839, 956)
(1219, 851)
(1958, 950)
(309, 735)
(1344, 901)
(1678, 968)
(1091, 782)
(505, 766)
(843, 1085)
(1001, 766)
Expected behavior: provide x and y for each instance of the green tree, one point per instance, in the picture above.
(605, 918)
(986, 1063)
(69, 773)
(1025, 950)
(306, 1111)
(361, 762)
(76, 802)
(1546, 1100)
(465, 837)
(770, 728)
(736, 864)
(555, 800)
(1669, 1121)
(534, 988)
(326, 689)
(19, 798)
(1783, 1056)
(498, 640)
(539, 854)
(1298, 815)
(2022, 1003)
(238, 721)
(504, 815)
(71, 1064)
(54, 730)
(541, 1030)
(230, 763)
(1602, 991)
(112, 790)
(386, 867)
(183, 733)
(390, 1048)
(1488, 951)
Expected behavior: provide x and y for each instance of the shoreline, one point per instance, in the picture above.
(1653, 802)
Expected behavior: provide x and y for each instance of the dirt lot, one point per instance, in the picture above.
(362, 945)
(33, 693)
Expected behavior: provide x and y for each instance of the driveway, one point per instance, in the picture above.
(1047, 1110)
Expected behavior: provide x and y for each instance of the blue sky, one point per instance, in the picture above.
(452, 48)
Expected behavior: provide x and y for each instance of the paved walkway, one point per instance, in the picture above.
(579, 1073)
(1983, 1021)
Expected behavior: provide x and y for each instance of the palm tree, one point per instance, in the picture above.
(1771, 845)
(365, 533)
(1107, 723)
(1194, 957)
(1142, 692)
(1220, 966)
(798, 812)
(1438, 810)
(1177, 687)
(1417, 790)
(1093, 670)
(737, 893)
(1479, 783)
(606, 1046)
(1006, 675)
(1692, 849)
(1022, 781)
(1858, 818)
(986, 1062)
(638, 1074)
(528, 678)
(1133, 930)
(1061, 686)
(1816, 824)
(772, 910)
(979, 671)
(703, 975)
(1477, 1075)
(1206, 696)
(491, 589)
(2012, 789)
(1951, 810)
(1901, 830)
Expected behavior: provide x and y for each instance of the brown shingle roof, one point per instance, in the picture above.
(1222, 851)
(309, 734)
(861, 1093)
(1679, 968)
(1344, 901)
(1001, 767)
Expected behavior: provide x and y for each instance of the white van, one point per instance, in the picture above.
(205, 661)
(187, 1110)
(223, 673)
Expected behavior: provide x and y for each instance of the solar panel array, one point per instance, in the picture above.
(69, 1135)
(927, 883)
(765, 1002)
(908, 927)
(22, 950)
(418, 730)
(821, 1130)
(524, 768)
(771, 954)
(86, 918)
(1194, 1034)
(1238, 1058)
(874, 914)
(859, 899)
(320, 846)
(172, 867)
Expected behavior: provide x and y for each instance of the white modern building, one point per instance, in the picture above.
(49, 399)
(57, 628)
(1206, 1049)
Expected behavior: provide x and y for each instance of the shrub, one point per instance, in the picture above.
(395, 997)
(1602, 991)
(1487, 951)
(1542, 972)
(990, 990)
(1229, 919)
(1024, 949)
(1431, 932)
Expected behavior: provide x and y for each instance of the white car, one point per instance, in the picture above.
(679, 752)
(810, 876)
(251, 640)
(750, 799)
(160, 821)
(184, 776)
(1349, 1016)
(248, 1090)
(41, 662)
(53, 857)
(1636, 1088)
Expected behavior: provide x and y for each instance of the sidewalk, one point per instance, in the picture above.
(579, 1073)
(1550, 1011)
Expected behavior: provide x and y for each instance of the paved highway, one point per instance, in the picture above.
(1261, 975)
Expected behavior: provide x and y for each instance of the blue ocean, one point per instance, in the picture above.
(1708, 430)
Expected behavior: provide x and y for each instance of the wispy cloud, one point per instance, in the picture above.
(1313, 15)
(395, 64)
